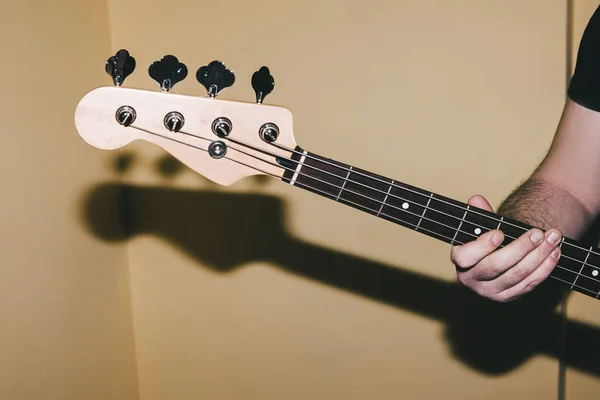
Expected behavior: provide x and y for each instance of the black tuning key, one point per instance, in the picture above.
(167, 72)
(120, 66)
(215, 77)
(262, 83)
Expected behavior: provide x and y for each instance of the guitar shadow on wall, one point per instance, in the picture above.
(490, 337)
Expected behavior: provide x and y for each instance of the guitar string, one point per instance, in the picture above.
(347, 190)
(269, 153)
(389, 194)
(583, 263)
(362, 195)
(573, 285)
(376, 201)
(317, 179)
(438, 198)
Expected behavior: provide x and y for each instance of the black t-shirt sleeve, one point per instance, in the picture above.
(584, 87)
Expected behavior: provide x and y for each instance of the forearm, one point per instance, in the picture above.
(544, 204)
(561, 197)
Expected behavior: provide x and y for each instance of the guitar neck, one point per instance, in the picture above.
(436, 216)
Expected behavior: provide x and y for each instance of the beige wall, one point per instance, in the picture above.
(464, 96)
(457, 97)
(65, 315)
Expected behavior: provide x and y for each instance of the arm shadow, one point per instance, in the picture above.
(489, 337)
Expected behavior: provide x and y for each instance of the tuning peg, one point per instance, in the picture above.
(262, 83)
(120, 66)
(215, 77)
(167, 72)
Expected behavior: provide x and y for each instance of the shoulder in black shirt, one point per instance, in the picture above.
(584, 87)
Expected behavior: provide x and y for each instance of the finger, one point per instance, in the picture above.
(479, 202)
(500, 261)
(533, 280)
(530, 263)
(471, 253)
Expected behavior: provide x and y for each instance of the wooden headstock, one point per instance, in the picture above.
(222, 140)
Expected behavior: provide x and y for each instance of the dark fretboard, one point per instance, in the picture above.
(437, 216)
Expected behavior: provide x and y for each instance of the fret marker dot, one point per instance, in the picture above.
(478, 231)
(595, 272)
(405, 206)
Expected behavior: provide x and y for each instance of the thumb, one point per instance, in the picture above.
(480, 202)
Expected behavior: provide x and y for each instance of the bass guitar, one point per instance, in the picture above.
(226, 141)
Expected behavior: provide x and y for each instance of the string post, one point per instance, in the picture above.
(222, 127)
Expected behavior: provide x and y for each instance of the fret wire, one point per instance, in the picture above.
(459, 225)
(344, 184)
(325, 193)
(582, 266)
(318, 158)
(578, 287)
(298, 168)
(385, 199)
(425, 210)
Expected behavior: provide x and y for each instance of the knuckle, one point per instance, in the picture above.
(531, 286)
(501, 297)
(531, 240)
(460, 259)
(482, 290)
(547, 248)
(525, 245)
(521, 273)
(454, 254)
(463, 279)
(494, 269)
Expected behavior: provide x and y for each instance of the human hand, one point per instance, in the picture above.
(508, 273)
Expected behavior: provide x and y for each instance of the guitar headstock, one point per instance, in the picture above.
(222, 140)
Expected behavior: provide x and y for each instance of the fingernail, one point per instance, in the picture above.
(536, 236)
(553, 238)
(556, 252)
(497, 238)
